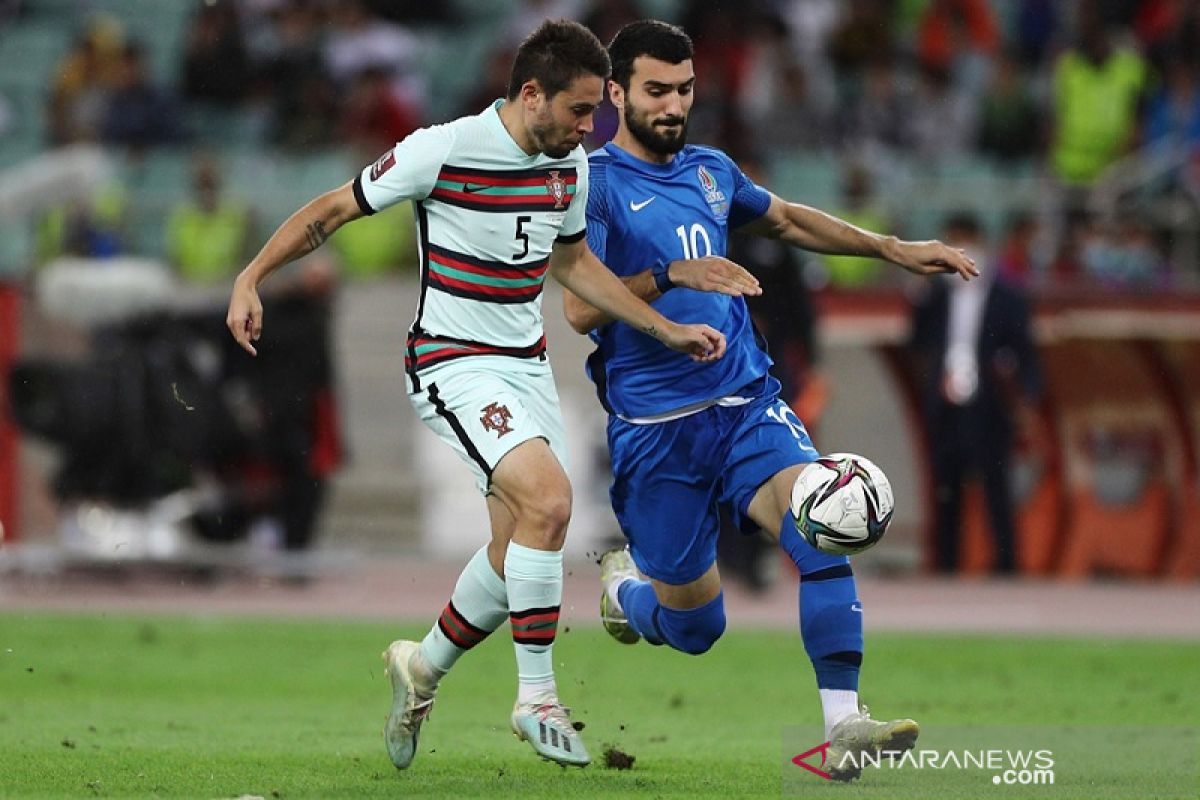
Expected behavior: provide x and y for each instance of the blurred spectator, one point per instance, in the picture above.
(606, 17)
(1097, 89)
(528, 14)
(216, 68)
(944, 126)
(1016, 262)
(721, 57)
(862, 34)
(979, 376)
(1168, 29)
(304, 103)
(879, 121)
(140, 114)
(83, 81)
(1173, 114)
(777, 104)
(1036, 27)
(358, 41)
(208, 236)
(959, 38)
(861, 208)
(91, 227)
(371, 118)
(1010, 122)
(493, 83)
(1121, 255)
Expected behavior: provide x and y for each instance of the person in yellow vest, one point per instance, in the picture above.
(208, 236)
(1097, 92)
(861, 210)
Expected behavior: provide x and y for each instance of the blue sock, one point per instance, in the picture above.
(639, 603)
(692, 630)
(830, 612)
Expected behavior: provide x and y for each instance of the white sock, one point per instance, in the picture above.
(837, 704)
(477, 607)
(534, 580)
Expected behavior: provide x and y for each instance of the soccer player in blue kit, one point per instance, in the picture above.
(685, 439)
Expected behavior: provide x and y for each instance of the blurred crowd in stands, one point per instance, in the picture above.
(1024, 87)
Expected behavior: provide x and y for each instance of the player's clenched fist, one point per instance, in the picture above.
(244, 318)
(702, 343)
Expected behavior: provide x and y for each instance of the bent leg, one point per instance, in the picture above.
(688, 617)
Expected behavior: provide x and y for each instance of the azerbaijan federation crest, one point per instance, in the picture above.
(713, 195)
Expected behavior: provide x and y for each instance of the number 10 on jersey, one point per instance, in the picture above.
(691, 239)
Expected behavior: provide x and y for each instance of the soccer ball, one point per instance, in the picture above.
(842, 504)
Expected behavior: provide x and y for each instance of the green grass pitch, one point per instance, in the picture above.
(216, 707)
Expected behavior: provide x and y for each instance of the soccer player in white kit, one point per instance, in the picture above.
(500, 200)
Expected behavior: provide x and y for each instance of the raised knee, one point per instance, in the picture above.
(696, 630)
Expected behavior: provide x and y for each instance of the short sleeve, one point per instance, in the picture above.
(597, 211)
(574, 225)
(750, 201)
(406, 172)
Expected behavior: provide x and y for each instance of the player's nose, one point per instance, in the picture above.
(585, 125)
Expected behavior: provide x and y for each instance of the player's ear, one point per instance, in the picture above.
(530, 90)
(616, 93)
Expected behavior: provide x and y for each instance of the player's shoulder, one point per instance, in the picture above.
(706, 155)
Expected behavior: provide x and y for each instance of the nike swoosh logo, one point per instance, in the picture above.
(469, 188)
(639, 206)
(856, 607)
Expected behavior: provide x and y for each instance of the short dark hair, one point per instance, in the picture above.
(647, 37)
(555, 54)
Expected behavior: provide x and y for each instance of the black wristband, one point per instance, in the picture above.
(662, 278)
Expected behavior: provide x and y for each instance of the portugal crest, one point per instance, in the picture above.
(496, 418)
(556, 187)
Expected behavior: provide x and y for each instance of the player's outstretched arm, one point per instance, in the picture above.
(815, 230)
(708, 274)
(577, 268)
(302, 233)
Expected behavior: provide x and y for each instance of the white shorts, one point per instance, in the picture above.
(484, 406)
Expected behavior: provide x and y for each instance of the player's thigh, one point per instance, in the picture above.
(770, 448)
(664, 495)
(483, 413)
(532, 485)
(692, 594)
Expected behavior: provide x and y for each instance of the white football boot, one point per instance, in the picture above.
(616, 567)
(412, 699)
(546, 725)
(857, 733)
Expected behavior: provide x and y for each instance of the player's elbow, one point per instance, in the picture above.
(579, 315)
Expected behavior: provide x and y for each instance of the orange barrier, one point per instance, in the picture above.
(1118, 461)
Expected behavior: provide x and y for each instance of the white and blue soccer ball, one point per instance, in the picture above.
(842, 504)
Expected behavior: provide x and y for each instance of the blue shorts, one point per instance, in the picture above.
(671, 478)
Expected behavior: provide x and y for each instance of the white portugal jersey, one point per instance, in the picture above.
(488, 215)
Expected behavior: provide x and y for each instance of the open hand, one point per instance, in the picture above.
(714, 274)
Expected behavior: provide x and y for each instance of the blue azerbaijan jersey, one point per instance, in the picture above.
(640, 214)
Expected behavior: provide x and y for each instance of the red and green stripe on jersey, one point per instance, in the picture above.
(479, 279)
(425, 351)
(549, 189)
(534, 625)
